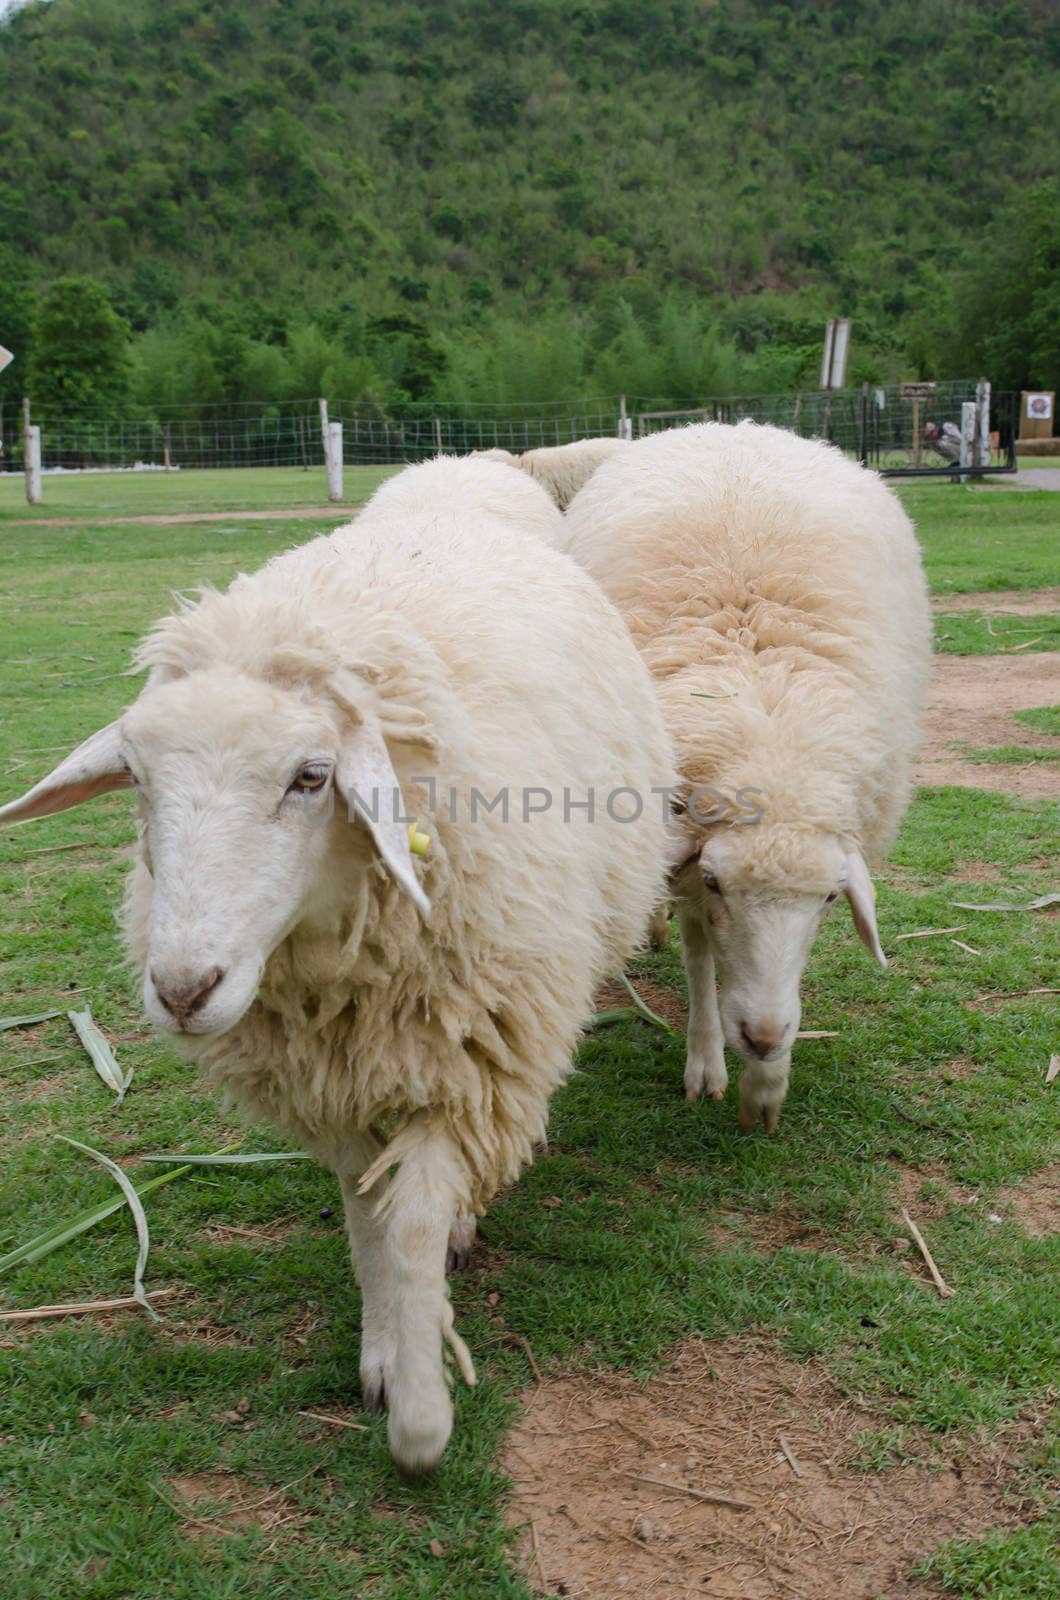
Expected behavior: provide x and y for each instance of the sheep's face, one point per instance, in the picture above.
(235, 784)
(764, 894)
(240, 831)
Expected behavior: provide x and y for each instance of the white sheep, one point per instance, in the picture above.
(406, 1019)
(562, 469)
(775, 590)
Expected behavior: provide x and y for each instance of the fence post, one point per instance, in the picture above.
(333, 457)
(324, 427)
(625, 425)
(31, 456)
(167, 459)
(981, 457)
(863, 451)
(33, 479)
(969, 429)
(438, 436)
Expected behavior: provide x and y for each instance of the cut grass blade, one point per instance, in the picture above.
(61, 1233)
(27, 1022)
(224, 1160)
(645, 1010)
(1040, 904)
(139, 1217)
(100, 1053)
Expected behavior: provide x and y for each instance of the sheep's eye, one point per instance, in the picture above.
(711, 882)
(830, 899)
(310, 779)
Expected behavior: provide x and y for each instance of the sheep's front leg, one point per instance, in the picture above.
(705, 1060)
(366, 1231)
(763, 1089)
(417, 1211)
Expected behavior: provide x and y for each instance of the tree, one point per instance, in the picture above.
(79, 359)
(1007, 307)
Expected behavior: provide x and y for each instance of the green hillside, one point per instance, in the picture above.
(534, 197)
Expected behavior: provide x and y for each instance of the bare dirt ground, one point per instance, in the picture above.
(1001, 602)
(734, 1418)
(970, 705)
(285, 514)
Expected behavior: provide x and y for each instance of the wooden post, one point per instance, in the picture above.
(301, 441)
(324, 427)
(917, 441)
(333, 457)
(969, 428)
(625, 426)
(981, 458)
(33, 477)
(167, 461)
(438, 436)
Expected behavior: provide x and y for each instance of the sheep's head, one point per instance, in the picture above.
(246, 791)
(763, 892)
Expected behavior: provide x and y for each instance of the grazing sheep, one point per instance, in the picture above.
(406, 1019)
(775, 590)
(562, 469)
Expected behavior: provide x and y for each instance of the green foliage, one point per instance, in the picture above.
(674, 195)
(1006, 311)
(78, 360)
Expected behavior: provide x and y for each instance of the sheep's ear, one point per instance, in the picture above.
(862, 896)
(95, 767)
(368, 783)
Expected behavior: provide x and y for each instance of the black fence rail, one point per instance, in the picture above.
(902, 430)
(899, 429)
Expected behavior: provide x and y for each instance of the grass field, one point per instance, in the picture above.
(136, 494)
(646, 1222)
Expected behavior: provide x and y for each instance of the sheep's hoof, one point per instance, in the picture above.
(765, 1117)
(701, 1078)
(461, 1239)
(373, 1393)
(418, 1443)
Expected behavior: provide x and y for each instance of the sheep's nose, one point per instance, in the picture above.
(182, 1001)
(762, 1038)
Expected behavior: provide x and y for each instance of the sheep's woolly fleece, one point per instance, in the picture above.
(775, 591)
(562, 469)
(488, 660)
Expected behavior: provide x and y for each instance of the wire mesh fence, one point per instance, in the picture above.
(899, 429)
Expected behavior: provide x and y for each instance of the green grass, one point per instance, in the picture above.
(1005, 1566)
(133, 494)
(1045, 719)
(979, 539)
(968, 633)
(1012, 755)
(92, 1415)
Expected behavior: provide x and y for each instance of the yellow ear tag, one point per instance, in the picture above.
(419, 843)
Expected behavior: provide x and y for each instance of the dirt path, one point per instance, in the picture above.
(287, 514)
(717, 1418)
(1002, 602)
(970, 704)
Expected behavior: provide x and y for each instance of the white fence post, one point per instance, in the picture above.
(981, 458)
(969, 430)
(625, 422)
(333, 454)
(31, 451)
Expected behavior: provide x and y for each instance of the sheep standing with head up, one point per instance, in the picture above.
(432, 665)
(775, 591)
(562, 469)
